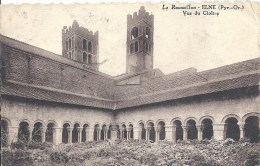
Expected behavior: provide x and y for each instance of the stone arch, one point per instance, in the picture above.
(7, 120)
(231, 116)
(250, 114)
(149, 121)
(190, 118)
(142, 133)
(84, 44)
(134, 33)
(231, 128)
(68, 122)
(37, 132)
(85, 132)
(90, 45)
(160, 120)
(24, 131)
(177, 123)
(97, 131)
(27, 121)
(104, 129)
(161, 129)
(207, 128)
(75, 132)
(206, 117)
(131, 130)
(123, 131)
(251, 126)
(176, 119)
(151, 131)
(192, 132)
(54, 122)
(50, 132)
(66, 129)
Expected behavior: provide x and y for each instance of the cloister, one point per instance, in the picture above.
(232, 126)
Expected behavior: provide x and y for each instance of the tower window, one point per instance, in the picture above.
(70, 55)
(146, 46)
(89, 46)
(148, 32)
(69, 43)
(85, 45)
(89, 59)
(136, 46)
(134, 33)
(72, 41)
(149, 48)
(85, 58)
(132, 48)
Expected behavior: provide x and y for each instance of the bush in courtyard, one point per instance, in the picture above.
(59, 157)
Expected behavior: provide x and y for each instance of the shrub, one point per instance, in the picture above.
(59, 157)
(18, 145)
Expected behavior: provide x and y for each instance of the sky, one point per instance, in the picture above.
(180, 42)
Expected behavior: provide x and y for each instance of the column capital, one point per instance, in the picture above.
(241, 125)
(79, 129)
(185, 127)
(200, 127)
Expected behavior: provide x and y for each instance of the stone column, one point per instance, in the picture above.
(137, 133)
(185, 132)
(43, 133)
(148, 133)
(127, 133)
(69, 130)
(79, 130)
(57, 135)
(200, 131)
(90, 134)
(169, 132)
(157, 132)
(98, 134)
(242, 133)
(114, 130)
(29, 133)
(12, 134)
(219, 132)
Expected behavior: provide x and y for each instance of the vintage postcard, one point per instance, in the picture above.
(134, 84)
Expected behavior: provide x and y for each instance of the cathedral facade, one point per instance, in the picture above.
(65, 99)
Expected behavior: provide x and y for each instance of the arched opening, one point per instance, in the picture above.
(146, 47)
(4, 133)
(89, 59)
(232, 129)
(148, 32)
(96, 132)
(151, 131)
(252, 128)
(37, 132)
(179, 130)
(85, 45)
(49, 133)
(23, 132)
(131, 131)
(207, 129)
(124, 132)
(142, 131)
(103, 132)
(134, 33)
(65, 133)
(84, 133)
(89, 46)
(109, 132)
(85, 57)
(136, 46)
(192, 130)
(67, 45)
(75, 133)
(118, 131)
(161, 128)
(70, 45)
(132, 47)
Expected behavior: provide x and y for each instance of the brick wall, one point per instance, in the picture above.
(34, 69)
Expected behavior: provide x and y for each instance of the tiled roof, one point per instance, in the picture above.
(53, 96)
(204, 88)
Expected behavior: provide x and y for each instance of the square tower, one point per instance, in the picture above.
(139, 50)
(81, 45)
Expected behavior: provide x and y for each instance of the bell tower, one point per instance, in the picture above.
(81, 45)
(139, 50)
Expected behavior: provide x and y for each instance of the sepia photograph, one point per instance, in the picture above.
(130, 84)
